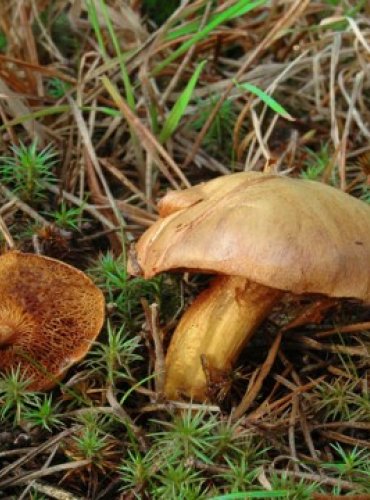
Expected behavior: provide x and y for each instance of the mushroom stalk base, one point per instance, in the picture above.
(215, 328)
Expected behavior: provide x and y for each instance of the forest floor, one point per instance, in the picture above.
(104, 106)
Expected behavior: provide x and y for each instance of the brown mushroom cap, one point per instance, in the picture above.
(50, 313)
(289, 234)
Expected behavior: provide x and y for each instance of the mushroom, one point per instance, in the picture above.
(263, 235)
(50, 313)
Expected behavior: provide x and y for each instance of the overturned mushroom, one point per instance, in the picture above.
(50, 313)
(262, 234)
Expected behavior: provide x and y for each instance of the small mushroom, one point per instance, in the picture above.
(263, 235)
(50, 313)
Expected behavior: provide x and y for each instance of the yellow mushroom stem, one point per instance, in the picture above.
(215, 328)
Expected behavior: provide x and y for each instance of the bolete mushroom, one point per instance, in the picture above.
(263, 235)
(50, 313)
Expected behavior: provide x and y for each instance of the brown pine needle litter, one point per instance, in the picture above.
(105, 106)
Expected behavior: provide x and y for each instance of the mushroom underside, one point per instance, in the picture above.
(50, 313)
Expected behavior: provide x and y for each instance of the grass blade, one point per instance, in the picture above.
(93, 17)
(240, 7)
(125, 76)
(193, 26)
(267, 99)
(252, 494)
(52, 110)
(180, 106)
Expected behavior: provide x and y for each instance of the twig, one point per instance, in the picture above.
(337, 436)
(291, 432)
(178, 405)
(44, 472)
(54, 492)
(5, 471)
(278, 405)
(124, 180)
(45, 466)
(251, 394)
(349, 423)
(318, 478)
(159, 366)
(92, 156)
(125, 418)
(6, 233)
(151, 315)
(23, 206)
(344, 329)
(306, 433)
(335, 348)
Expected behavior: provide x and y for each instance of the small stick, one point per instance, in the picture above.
(118, 174)
(173, 405)
(44, 472)
(344, 329)
(285, 400)
(54, 492)
(6, 233)
(319, 478)
(23, 206)
(251, 394)
(291, 432)
(151, 315)
(337, 436)
(306, 433)
(159, 366)
(121, 413)
(349, 423)
(45, 466)
(334, 348)
(5, 471)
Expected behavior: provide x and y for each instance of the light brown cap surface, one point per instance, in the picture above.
(53, 311)
(290, 234)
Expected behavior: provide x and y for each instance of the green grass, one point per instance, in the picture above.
(112, 359)
(3, 41)
(240, 7)
(43, 413)
(365, 194)
(28, 170)
(218, 139)
(159, 15)
(294, 490)
(166, 470)
(316, 163)
(187, 435)
(67, 217)
(57, 88)
(176, 113)
(266, 98)
(122, 292)
(15, 398)
(351, 463)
